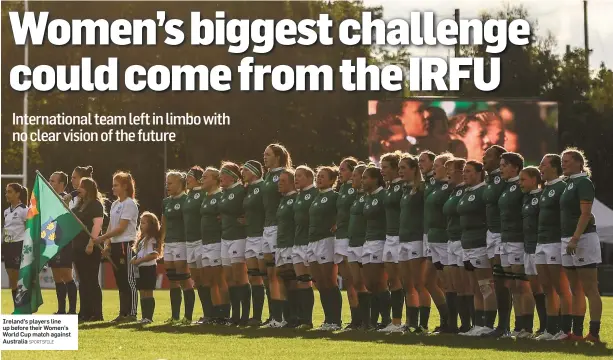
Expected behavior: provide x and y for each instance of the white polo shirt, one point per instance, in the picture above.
(124, 210)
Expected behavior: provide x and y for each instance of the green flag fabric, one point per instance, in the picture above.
(49, 227)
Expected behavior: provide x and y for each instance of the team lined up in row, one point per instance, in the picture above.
(396, 237)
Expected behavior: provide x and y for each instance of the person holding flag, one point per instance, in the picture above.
(49, 227)
(61, 264)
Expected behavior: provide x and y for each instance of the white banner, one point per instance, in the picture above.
(40, 332)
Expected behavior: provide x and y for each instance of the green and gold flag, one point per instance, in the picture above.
(49, 227)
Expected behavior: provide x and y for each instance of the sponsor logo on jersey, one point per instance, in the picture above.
(275, 178)
(445, 186)
(551, 193)
(375, 202)
(214, 201)
(361, 198)
(350, 191)
(471, 198)
(571, 186)
(197, 196)
(177, 206)
(513, 188)
(307, 197)
(497, 180)
(324, 200)
(256, 191)
(231, 197)
(458, 193)
(535, 201)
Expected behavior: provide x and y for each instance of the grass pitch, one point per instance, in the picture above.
(157, 341)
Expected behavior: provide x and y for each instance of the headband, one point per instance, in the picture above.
(249, 165)
(196, 173)
(228, 172)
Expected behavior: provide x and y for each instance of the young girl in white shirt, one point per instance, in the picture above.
(148, 248)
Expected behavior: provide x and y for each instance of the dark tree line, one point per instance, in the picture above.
(317, 127)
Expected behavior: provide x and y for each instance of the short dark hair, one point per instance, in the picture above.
(515, 159)
(63, 177)
(478, 166)
(555, 161)
(499, 150)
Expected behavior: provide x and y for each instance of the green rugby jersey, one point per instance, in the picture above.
(491, 194)
(412, 214)
(473, 217)
(286, 229)
(393, 195)
(303, 202)
(254, 209)
(579, 188)
(374, 213)
(510, 205)
(231, 209)
(173, 212)
(346, 196)
(357, 222)
(434, 218)
(450, 209)
(322, 215)
(271, 196)
(530, 216)
(429, 181)
(549, 230)
(191, 214)
(210, 221)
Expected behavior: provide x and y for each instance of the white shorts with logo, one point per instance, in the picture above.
(548, 254)
(193, 250)
(411, 250)
(512, 254)
(372, 252)
(232, 251)
(176, 251)
(530, 264)
(340, 250)
(587, 252)
(494, 242)
(299, 254)
(440, 253)
(455, 254)
(210, 255)
(283, 256)
(269, 240)
(427, 251)
(321, 251)
(478, 257)
(354, 254)
(391, 249)
(253, 248)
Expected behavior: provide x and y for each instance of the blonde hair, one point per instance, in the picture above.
(579, 155)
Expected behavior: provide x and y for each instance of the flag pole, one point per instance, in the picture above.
(75, 216)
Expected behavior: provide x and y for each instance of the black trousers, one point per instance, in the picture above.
(121, 254)
(90, 294)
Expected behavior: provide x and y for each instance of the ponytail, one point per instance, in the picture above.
(22, 191)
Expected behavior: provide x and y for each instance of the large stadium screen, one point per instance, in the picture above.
(462, 126)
